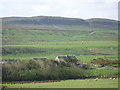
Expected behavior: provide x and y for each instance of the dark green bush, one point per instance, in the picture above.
(45, 74)
(32, 71)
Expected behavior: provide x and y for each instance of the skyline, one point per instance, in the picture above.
(64, 8)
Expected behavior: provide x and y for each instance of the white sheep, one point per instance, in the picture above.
(110, 78)
(96, 79)
(114, 78)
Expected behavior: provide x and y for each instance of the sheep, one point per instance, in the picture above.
(114, 78)
(110, 78)
(96, 79)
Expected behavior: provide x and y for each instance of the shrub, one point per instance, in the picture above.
(31, 71)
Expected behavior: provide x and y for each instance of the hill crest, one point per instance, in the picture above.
(40, 21)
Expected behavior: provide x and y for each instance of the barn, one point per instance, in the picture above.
(66, 58)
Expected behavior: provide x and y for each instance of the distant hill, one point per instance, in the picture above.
(103, 23)
(58, 23)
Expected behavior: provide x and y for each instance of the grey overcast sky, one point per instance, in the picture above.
(66, 8)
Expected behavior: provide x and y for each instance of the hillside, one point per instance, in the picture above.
(103, 23)
(58, 23)
(43, 29)
(34, 37)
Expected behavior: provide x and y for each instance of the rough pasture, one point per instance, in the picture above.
(85, 83)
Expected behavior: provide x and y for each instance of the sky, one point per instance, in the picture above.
(84, 9)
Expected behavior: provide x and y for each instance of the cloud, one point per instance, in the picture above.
(109, 1)
(66, 8)
(38, 10)
(71, 13)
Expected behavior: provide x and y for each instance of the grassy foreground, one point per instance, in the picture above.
(87, 83)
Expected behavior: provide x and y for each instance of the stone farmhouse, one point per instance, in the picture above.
(66, 58)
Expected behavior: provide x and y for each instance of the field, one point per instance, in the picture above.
(86, 45)
(84, 83)
(33, 37)
(28, 44)
(83, 50)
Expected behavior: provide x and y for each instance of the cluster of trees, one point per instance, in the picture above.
(36, 70)
(44, 69)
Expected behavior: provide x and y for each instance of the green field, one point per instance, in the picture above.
(87, 83)
(83, 50)
(28, 44)
(28, 37)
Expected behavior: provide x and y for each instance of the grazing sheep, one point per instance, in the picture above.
(96, 79)
(110, 78)
(114, 78)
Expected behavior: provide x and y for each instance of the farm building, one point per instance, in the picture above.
(66, 58)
